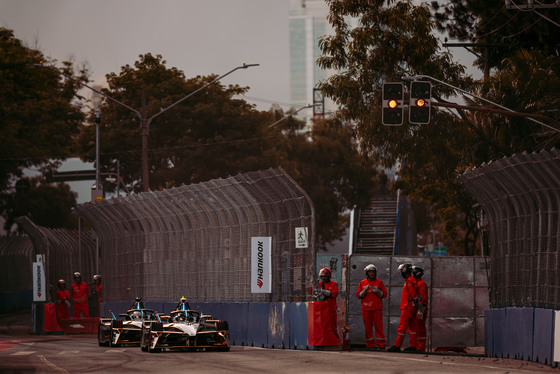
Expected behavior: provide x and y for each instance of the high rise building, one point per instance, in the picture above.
(308, 23)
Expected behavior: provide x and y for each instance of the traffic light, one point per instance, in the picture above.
(392, 106)
(420, 102)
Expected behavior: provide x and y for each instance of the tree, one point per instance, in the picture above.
(214, 134)
(39, 113)
(328, 166)
(500, 32)
(209, 124)
(46, 205)
(393, 41)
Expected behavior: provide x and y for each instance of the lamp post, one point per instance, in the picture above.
(290, 115)
(96, 100)
(142, 115)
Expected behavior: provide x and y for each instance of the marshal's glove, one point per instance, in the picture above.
(364, 291)
(377, 291)
(326, 293)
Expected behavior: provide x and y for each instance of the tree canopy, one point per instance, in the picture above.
(40, 113)
(498, 32)
(395, 40)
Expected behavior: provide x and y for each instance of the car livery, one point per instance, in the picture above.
(185, 329)
(124, 331)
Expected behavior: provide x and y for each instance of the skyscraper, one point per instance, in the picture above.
(308, 23)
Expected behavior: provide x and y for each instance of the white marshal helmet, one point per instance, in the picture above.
(369, 268)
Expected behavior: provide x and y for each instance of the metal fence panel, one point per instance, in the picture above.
(64, 252)
(521, 197)
(196, 240)
(458, 295)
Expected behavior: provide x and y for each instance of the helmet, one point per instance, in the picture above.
(417, 272)
(77, 275)
(61, 282)
(405, 269)
(326, 272)
(97, 277)
(369, 268)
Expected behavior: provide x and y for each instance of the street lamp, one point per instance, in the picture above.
(96, 100)
(144, 119)
(290, 115)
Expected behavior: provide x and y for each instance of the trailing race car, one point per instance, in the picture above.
(185, 329)
(128, 329)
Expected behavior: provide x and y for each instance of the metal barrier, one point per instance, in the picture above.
(521, 197)
(196, 239)
(458, 289)
(64, 251)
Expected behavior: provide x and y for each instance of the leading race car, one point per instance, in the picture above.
(128, 329)
(185, 329)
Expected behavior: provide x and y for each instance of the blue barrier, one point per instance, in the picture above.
(12, 301)
(278, 325)
(258, 326)
(526, 335)
(543, 336)
(488, 332)
(297, 315)
(520, 333)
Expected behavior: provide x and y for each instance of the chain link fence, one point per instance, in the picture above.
(195, 240)
(521, 197)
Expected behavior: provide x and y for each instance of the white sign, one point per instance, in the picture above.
(261, 268)
(301, 237)
(39, 284)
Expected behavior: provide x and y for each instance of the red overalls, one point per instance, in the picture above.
(408, 312)
(331, 301)
(372, 313)
(421, 323)
(62, 311)
(80, 293)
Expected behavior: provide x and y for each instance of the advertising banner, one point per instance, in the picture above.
(39, 284)
(261, 268)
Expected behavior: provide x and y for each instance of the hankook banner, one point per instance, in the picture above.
(39, 291)
(261, 268)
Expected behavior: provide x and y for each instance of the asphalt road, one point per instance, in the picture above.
(21, 352)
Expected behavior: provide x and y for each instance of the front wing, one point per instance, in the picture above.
(154, 340)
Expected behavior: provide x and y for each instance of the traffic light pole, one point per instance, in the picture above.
(499, 111)
(505, 110)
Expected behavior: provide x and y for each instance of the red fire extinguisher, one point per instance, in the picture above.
(346, 338)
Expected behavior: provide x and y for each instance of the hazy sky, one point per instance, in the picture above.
(199, 37)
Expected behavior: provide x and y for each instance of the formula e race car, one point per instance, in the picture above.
(127, 330)
(185, 330)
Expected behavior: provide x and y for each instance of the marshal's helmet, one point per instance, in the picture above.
(77, 275)
(61, 283)
(417, 272)
(326, 272)
(96, 278)
(369, 268)
(405, 270)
